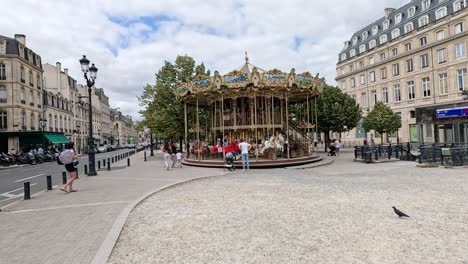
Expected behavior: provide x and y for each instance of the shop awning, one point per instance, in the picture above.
(56, 138)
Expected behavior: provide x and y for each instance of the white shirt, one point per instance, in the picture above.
(244, 147)
(179, 155)
(337, 144)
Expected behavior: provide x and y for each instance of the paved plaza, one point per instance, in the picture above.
(340, 213)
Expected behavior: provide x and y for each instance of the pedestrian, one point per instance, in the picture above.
(179, 158)
(338, 146)
(225, 141)
(244, 148)
(68, 158)
(167, 156)
(365, 141)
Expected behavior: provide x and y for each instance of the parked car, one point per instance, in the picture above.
(102, 149)
(130, 146)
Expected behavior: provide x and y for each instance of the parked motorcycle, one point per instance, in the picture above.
(8, 159)
(25, 158)
(39, 157)
(4, 161)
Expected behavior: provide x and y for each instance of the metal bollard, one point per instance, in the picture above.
(49, 182)
(77, 173)
(85, 169)
(108, 164)
(27, 191)
(128, 162)
(145, 155)
(104, 162)
(98, 164)
(64, 177)
(112, 159)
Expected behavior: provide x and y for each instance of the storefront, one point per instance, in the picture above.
(25, 140)
(443, 124)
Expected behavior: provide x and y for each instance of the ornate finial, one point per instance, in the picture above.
(246, 58)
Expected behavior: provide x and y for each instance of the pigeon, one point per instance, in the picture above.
(399, 213)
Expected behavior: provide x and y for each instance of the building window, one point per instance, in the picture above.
(31, 79)
(383, 73)
(385, 95)
(38, 99)
(22, 96)
(383, 39)
(3, 120)
(351, 67)
(462, 79)
(38, 79)
(371, 61)
(409, 65)
(398, 18)
(408, 47)
(2, 72)
(411, 94)
(31, 97)
(423, 21)
(426, 4)
(361, 64)
(3, 94)
(440, 35)
(441, 56)
(364, 100)
(397, 92)
(443, 83)
(382, 56)
(31, 121)
(375, 30)
(372, 76)
(22, 74)
(355, 39)
(362, 48)
(426, 87)
(343, 56)
(352, 53)
(395, 52)
(2, 47)
(423, 41)
(441, 12)
(353, 82)
(343, 85)
(386, 24)
(365, 34)
(409, 27)
(373, 98)
(372, 44)
(424, 61)
(458, 5)
(395, 33)
(363, 79)
(458, 28)
(396, 69)
(23, 119)
(460, 50)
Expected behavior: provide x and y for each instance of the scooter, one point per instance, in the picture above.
(25, 159)
(5, 161)
(8, 158)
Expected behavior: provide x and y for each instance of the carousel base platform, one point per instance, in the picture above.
(260, 164)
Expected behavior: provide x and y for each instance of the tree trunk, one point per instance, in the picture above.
(180, 145)
(381, 139)
(327, 140)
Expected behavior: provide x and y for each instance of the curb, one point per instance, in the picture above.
(324, 163)
(106, 248)
(54, 187)
(12, 167)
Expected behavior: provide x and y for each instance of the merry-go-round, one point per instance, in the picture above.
(271, 110)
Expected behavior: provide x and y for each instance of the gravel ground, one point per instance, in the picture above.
(335, 214)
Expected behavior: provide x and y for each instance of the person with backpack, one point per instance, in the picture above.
(68, 158)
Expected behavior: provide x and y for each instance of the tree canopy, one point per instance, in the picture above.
(382, 119)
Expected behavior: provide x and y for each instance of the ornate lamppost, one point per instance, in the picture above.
(43, 122)
(90, 83)
(78, 132)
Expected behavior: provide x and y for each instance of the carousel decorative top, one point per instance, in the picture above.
(250, 78)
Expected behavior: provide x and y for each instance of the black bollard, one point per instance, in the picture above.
(128, 162)
(98, 164)
(112, 159)
(108, 164)
(77, 173)
(27, 191)
(145, 155)
(104, 162)
(85, 169)
(49, 182)
(64, 177)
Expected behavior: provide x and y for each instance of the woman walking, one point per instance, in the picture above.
(68, 158)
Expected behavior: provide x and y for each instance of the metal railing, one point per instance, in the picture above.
(455, 154)
(370, 153)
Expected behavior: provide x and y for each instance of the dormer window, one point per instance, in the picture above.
(395, 33)
(441, 12)
(459, 5)
(352, 53)
(372, 44)
(423, 21)
(355, 39)
(383, 39)
(409, 27)
(398, 18)
(375, 29)
(411, 11)
(346, 44)
(426, 4)
(343, 56)
(365, 34)
(362, 48)
(386, 24)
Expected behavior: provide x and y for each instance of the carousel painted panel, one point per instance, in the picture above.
(274, 78)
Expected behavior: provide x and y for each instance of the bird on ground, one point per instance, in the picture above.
(399, 213)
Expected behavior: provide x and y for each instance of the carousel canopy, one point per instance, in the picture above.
(248, 80)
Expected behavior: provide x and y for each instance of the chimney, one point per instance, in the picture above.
(59, 76)
(388, 11)
(21, 38)
(66, 71)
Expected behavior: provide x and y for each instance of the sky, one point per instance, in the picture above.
(129, 40)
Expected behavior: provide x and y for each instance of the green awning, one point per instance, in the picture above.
(57, 138)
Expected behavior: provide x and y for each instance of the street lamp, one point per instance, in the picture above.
(151, 143)
(43, 123)
(90, 83)
(78, 131)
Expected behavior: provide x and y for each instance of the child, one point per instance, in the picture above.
(179, 158)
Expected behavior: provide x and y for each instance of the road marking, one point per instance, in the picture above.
(68, 206)
(11, 196)
(39, 175)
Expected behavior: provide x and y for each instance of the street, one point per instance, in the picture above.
(12, 179)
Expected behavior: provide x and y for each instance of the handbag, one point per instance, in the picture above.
(76, 162)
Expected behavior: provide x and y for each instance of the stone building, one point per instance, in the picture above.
(124, 132)
(21, 92)
(414, 60)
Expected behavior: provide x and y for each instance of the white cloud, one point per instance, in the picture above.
(129, 53)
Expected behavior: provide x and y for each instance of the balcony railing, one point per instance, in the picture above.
(3, 100)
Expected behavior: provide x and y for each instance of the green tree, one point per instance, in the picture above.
(337, 112)
(382, 120)
(163, 112)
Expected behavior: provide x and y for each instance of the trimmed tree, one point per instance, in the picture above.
(382, 120)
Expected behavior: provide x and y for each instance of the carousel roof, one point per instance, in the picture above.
(248, 80)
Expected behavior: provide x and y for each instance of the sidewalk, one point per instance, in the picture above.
(57, 227)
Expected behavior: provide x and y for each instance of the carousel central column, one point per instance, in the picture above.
(234, 109)
(287, 124)
(198, 134)
(186, 131)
